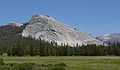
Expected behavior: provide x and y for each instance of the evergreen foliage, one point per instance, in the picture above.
(12, 43)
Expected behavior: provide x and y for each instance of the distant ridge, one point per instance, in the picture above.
(115, 37)
(14, 24)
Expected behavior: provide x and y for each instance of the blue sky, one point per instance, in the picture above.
(92, 16)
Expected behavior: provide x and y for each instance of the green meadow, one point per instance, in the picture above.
(72, 62)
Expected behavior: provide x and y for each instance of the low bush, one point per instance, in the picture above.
(60, 66)
(23, 66)
(1, 61)
(33, 66)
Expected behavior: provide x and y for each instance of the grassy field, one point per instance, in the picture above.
(72, 62)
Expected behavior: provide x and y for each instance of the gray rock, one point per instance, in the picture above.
(115, 37)
(49, 29)
(14, 24)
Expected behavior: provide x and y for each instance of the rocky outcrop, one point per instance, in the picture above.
(49, 29)
(115, 37)
(14, 24)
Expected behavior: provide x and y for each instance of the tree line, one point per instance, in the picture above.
(42, 48)
(13, 44)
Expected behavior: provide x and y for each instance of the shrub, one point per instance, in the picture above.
(62, 64)
(26, 66)
(1, 61)
(56, 66)
(23, 66)
(33, 66)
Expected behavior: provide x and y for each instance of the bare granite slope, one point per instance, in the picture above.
(49, 29)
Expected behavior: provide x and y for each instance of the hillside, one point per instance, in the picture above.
(29, 39)
(115, 37)
(51, 30)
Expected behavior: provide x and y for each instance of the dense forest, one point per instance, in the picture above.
(13, 44)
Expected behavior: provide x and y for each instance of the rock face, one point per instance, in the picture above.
(14, 24)
(49, 29)
(110, 37)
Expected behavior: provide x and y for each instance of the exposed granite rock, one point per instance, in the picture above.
(49, 29)
(115, 37)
